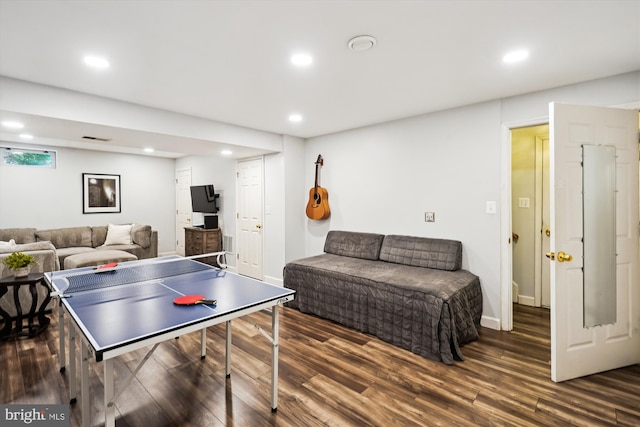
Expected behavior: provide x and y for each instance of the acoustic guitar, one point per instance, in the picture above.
(318, 204)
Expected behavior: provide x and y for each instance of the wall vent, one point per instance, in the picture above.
(227, 244)
(95, 138)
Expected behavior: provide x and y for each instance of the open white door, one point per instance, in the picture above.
(577, 350)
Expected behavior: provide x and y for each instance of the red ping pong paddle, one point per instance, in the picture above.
(109, 265)
(194, 299)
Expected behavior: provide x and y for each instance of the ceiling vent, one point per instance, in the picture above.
(95, 138)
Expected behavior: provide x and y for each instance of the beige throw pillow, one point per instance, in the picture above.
(7, 244)
(118, 235)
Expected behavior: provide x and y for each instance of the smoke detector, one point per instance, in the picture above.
(361, 43)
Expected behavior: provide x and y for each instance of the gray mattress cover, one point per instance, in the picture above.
(427, 311)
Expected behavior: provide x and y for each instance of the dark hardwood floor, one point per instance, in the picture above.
(333, 376)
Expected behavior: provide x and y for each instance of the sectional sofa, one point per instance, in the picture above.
(52, 248)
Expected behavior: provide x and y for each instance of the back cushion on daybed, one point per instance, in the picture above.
(353, 244)
(440, 254)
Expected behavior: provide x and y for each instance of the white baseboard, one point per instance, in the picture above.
(274, 281)
(490, 322)
(525, 300)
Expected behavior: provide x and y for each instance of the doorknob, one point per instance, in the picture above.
(562, 257)
(258, 225)
(547, 232)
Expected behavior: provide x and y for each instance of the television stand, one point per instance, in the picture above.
(198, 241)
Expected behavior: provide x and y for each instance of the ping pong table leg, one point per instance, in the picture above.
(62, 357)
(73, 391)
(84, 384)
(275, 321)
(203, 343)
(228, 350)
(109, 395)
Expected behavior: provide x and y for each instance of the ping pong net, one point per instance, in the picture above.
(125, 275)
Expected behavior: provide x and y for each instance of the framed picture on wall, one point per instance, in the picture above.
(100, 193)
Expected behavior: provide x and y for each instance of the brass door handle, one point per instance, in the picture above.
(258, 225)
(547, 232)
(562, 257)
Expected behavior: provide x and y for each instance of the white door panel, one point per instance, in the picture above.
(250, 202)
(577, 350)
(183, 207)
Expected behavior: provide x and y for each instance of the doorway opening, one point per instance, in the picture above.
(530, 215)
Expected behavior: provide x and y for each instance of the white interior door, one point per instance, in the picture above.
(577, 350)
(183, 206)
(542, 291)
(545, 279)
(250, 202)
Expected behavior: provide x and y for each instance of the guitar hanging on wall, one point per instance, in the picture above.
(318, 204)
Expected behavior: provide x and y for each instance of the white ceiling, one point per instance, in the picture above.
(229, 61)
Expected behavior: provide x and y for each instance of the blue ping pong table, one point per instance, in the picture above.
(129, 307)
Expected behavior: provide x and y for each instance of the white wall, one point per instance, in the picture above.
(295, 197)
(40, 100)
(383, 178)
(284, 202)
(52, 198)
(221, 172)
(380, 179)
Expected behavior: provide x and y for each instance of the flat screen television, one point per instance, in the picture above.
(203, 199)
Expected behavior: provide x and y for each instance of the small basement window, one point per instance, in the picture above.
(28, 157)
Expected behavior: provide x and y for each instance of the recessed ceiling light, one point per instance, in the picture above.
(25, 136)
(515, 56)
(96, 62)
(12, 125)
(361, 43)
(301, 59)
(148, 150)
(226, 152)
(295, 118)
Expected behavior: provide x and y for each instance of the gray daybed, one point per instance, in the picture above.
(408, 291)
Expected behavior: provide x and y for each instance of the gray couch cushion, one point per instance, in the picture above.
(98, 235)
(141, 235)
(441, 254)
(353, 244)
(63, 253)
(26, 247)
(20, 235)
(67, 237)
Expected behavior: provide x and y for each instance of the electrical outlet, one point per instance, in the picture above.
(429, 217)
